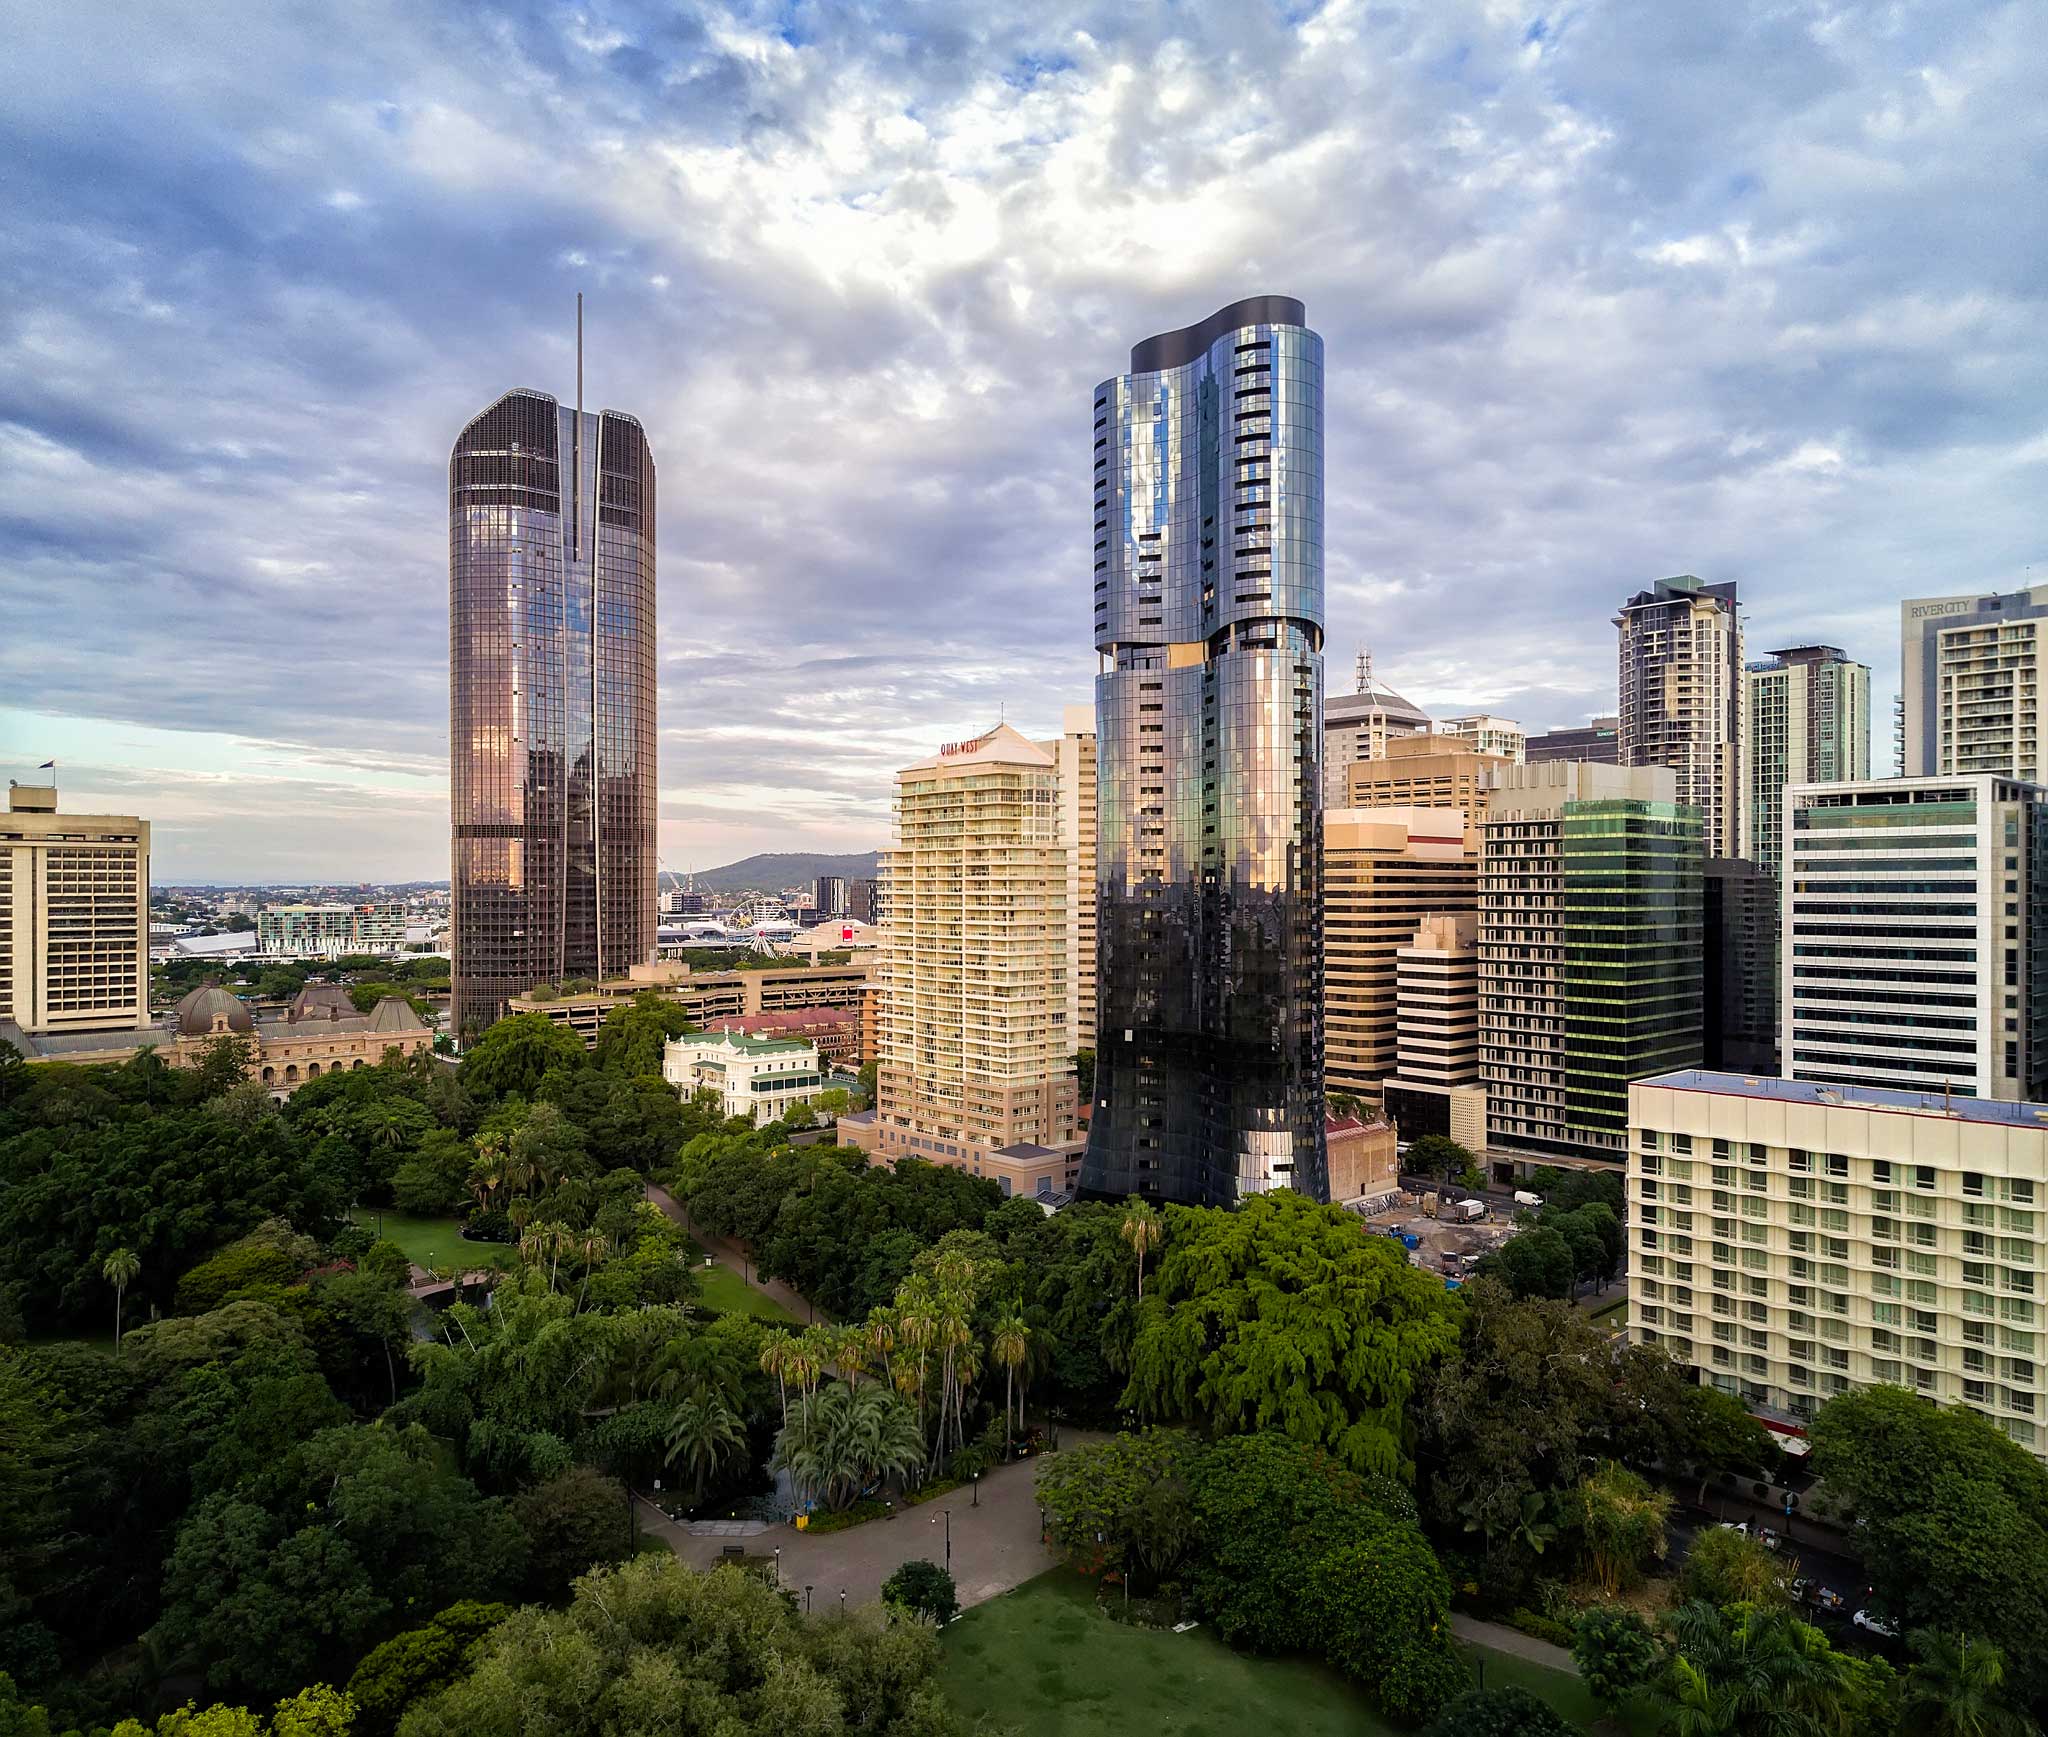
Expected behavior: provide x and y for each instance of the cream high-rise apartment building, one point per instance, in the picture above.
(74, 917)
(1435, 1087)
(1073, 751)
(1385, 870)
(1793, 1240)
(1972, 697)
(975, 1045)
(1683, 699)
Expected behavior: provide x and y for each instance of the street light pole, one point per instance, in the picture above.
(778, 1568)
(977, 1491)
(947, 1515)
(807, 1601)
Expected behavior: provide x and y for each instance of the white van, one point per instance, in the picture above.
(1524, 1198)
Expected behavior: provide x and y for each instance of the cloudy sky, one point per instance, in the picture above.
(1609, 291)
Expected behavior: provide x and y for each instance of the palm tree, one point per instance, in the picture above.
(778, 1358)
(120, 1269)
(844, 1439)
(881, 1335)
(1010, 1344)
(702, 1433)
(591, 1247)
(1956, 1688)
(1143, 1230)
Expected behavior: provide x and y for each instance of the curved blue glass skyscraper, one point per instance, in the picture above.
(1209, 625)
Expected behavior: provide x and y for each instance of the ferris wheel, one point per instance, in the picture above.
(756, 914)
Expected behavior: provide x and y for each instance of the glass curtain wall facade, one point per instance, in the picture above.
(1209, 629)
(551, 563)
(1632, 932)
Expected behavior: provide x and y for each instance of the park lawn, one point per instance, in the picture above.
(1043, 1662)
(723, 1289)
(435, 1242)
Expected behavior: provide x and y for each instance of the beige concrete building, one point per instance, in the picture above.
(1435, 1088)
(1384, 871)
(1792, 1241)
(1073, 750)
(74, 917)
(1365, 1168)
(975, 1049)
(1360, 726)
(1426, 771)
(709, 997)
(1490, 735)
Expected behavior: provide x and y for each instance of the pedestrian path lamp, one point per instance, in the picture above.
(778, 1568)
(977, 1491)
(946, 1514)
(807, 1601)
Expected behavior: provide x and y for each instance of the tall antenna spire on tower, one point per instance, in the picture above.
(579, 358)
(1365, 669)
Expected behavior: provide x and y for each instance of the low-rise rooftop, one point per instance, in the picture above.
(1845, 1097)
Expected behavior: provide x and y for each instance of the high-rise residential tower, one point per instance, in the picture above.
(975, 1052)
(1209, 625)
(1682, 697)
(552, 699)
(1074, 752)
(1809, 723)
(1974, 684)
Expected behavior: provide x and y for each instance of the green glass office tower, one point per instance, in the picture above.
(1590, 950)
(1633, 967)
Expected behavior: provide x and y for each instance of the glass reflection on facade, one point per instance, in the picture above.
(552, 699)
(1209, 627)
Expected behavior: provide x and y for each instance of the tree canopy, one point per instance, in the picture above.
(1285, 1315)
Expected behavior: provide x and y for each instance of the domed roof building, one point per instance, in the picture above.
(210, 1011)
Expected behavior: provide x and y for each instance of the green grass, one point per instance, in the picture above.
(435, 1242)
(723, 1289)
(1042, 1661)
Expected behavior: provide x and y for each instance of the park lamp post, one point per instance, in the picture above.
(807, 1601)
(977, 1491)
(947, 1515)
(778, 1568)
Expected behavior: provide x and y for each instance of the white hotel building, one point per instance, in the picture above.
(1791, 1241)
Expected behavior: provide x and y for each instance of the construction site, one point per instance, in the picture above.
(1445, 1234)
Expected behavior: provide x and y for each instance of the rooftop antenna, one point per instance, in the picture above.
(1364, 670)
(579, 359)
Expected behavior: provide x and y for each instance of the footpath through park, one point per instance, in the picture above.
(995, 1543)
(734, 1259)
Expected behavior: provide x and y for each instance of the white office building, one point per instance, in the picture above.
(1911, 950)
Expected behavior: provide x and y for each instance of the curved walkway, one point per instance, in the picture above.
(995, 1544)
(734, 1259)
(1498, 1637)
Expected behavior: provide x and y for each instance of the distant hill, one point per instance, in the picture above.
(776, 869)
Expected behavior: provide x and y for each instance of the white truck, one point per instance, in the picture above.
(1467, 1210)
(1524, 1197)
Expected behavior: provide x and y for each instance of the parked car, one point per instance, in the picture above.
(1815, 1595)
(1869, 1619)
